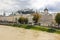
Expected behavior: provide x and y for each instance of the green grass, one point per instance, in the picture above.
(39, 28)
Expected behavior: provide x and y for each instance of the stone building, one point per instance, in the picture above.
(15, 17)
(46, 18)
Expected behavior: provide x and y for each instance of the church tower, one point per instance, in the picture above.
(45, 11)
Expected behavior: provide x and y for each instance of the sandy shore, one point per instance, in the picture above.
(11, 33)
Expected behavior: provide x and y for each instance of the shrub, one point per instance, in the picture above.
(23, 20)
(51, 30)
(26, 20)
(29, 26)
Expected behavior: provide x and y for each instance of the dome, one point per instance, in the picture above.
(45, 9)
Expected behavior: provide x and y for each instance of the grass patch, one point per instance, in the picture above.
(51, 30)
(40, 28)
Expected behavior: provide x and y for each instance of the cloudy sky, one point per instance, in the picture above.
(13, 5)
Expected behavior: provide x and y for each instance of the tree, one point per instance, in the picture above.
(57, 19)
(23, 20)
(26, 20)
(36, 17)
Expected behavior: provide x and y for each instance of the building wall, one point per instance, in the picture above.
(13, 18)
(46, 19)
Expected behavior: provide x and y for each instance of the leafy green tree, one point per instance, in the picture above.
(23, 20)
(57, 19)
(36, 17)
(26, 20)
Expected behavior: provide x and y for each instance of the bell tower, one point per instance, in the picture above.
(45, 11)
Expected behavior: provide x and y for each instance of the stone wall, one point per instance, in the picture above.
(16, 17)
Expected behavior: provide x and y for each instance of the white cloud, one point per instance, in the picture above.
(6, 4)
(14, 5)
(42, 3)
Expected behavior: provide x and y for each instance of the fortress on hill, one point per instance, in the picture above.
(46, 17)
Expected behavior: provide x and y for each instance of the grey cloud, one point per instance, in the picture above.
(13, 5)
(16, 3)
(54, 8)
(21, 4)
